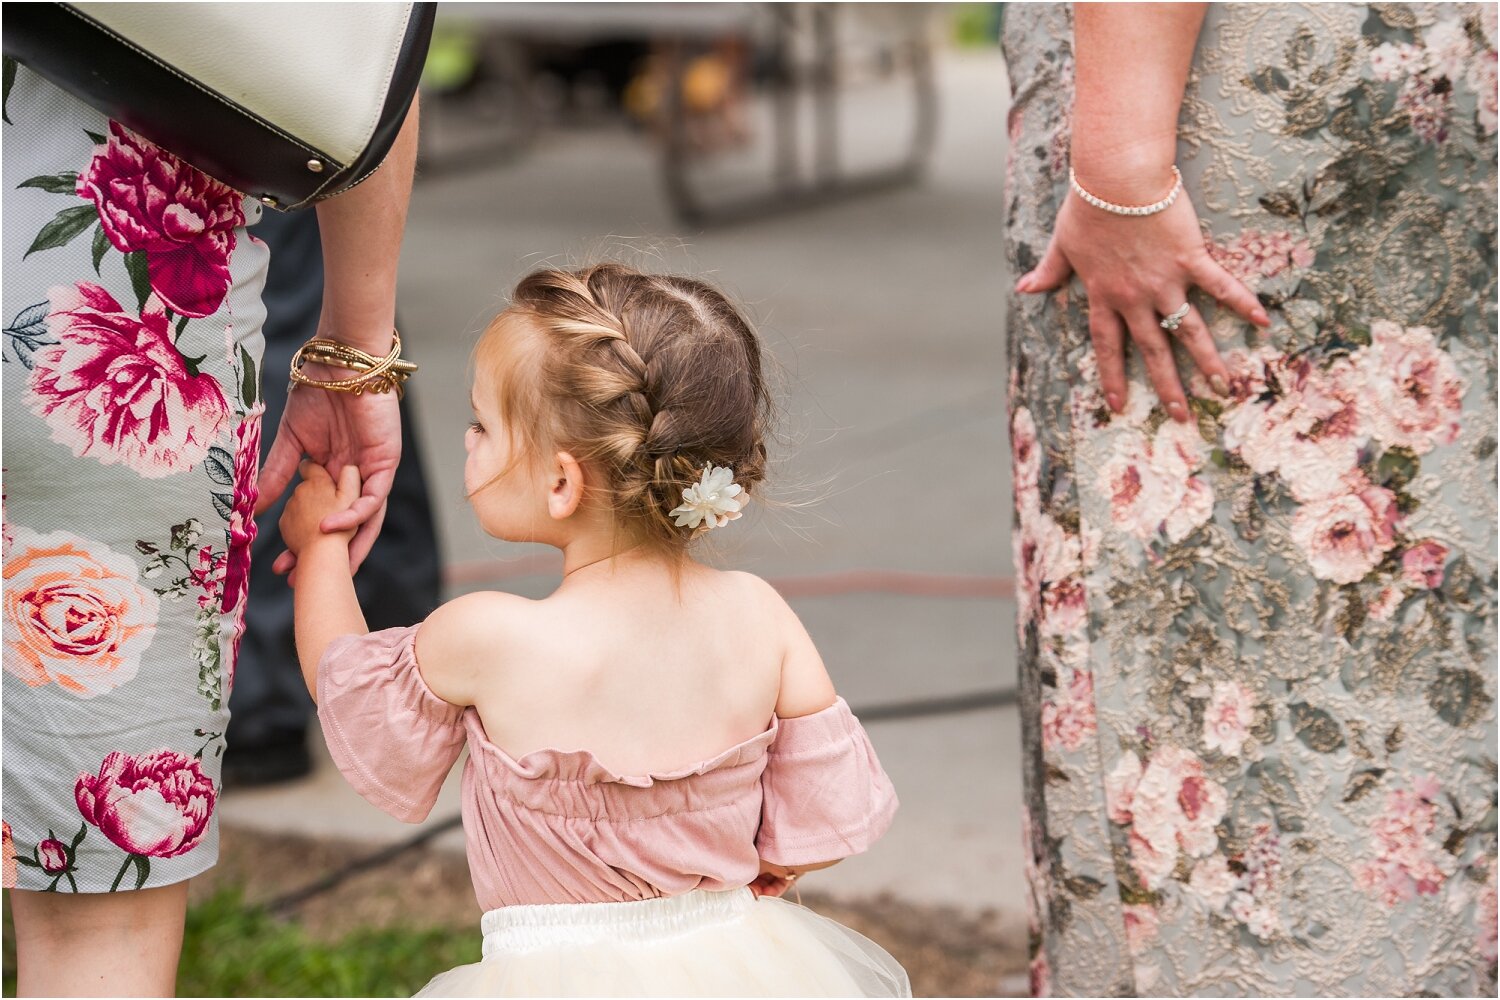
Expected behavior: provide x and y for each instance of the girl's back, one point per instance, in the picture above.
(647, 673)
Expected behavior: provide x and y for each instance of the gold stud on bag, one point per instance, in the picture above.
(290, 103)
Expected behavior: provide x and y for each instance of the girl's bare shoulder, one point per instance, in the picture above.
(470, 638)
(805, 686)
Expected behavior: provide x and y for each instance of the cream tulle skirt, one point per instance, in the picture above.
(697, 944)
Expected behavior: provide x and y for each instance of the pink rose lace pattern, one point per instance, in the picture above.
(131, 348)
(1257, 652)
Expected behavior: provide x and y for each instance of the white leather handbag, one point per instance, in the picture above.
(290, 102)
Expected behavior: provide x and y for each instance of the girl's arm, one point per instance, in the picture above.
(451, 660)
(806, 688)
(325, 603)
(805, 685)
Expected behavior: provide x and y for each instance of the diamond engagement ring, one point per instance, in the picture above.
(1174, 319)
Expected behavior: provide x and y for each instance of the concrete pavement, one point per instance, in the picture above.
(885, 314)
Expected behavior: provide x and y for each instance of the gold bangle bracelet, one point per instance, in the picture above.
(376, 374)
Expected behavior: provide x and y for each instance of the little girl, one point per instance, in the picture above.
(706, 761)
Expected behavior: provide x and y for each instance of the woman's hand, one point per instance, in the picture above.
(314, 500)
(1135, 270)
(337, 430)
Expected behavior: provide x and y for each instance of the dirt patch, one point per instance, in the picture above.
(948, 952)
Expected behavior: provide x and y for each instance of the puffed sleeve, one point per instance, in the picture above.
(393, 739)
(824, 795)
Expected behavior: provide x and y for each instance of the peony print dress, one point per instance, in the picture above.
(1258, 652)
(131, 345)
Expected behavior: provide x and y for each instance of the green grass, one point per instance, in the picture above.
(236, 950)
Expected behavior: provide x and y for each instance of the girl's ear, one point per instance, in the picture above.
(565, 492)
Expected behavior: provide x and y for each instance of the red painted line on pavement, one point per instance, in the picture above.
(883, 581)
(484, 571)
(854, 581)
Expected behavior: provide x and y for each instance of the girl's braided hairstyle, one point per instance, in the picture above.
(648, 378)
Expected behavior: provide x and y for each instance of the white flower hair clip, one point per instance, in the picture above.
(712, 501)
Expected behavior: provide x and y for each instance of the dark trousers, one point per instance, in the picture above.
(399, 584)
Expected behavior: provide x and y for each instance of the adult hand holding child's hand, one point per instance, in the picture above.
(338, 430)
(314, 499)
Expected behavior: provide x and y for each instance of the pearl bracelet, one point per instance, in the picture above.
(1151, 209)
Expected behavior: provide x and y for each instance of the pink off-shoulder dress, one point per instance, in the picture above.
(596, 883)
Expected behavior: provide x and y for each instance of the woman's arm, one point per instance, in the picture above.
(361, 233)
(1131, 64)
(1125, 106)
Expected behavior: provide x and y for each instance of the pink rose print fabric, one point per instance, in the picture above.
(115, 388)
(156, 805)
(241, 531)
(1409, 859)
(1256, 650)
(75, 614)
(242, 514)
(183, 220)
(130, 328)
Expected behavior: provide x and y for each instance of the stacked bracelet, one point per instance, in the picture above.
(1151, 209)
(375, 374)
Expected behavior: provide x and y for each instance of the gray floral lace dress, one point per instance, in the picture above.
(1258, 652)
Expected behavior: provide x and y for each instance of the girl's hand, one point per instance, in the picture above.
(773, 880)
(337, 430)
(1135, 270)
(314, 499)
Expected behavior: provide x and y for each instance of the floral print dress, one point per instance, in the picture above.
(1258, 651)
(131, 346)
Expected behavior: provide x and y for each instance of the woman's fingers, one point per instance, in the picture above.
(364, 539)
(360, 510)
(1049, 274)
(276, 471)
(1229, 290)
(1194, 335)
(1108, 333)
(1161, 366)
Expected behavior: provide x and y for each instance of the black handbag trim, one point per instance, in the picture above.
(218, 136)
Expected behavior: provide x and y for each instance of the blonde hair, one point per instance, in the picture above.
(647, 378)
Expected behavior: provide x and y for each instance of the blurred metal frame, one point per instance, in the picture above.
(820, 81)
(801, 47)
